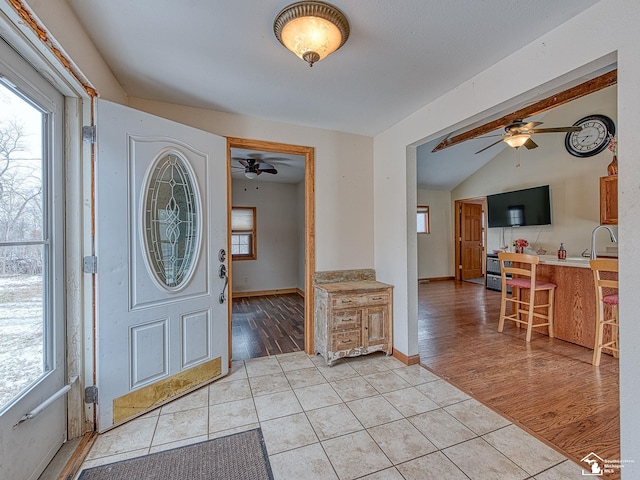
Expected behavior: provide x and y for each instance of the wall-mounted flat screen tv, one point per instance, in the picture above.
(531, 206)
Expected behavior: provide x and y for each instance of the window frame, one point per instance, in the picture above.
(253, 255)
(424, 210)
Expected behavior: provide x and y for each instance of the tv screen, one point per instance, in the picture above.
(519, 208)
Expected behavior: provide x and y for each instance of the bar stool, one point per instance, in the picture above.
(605, 297)
(524, 266)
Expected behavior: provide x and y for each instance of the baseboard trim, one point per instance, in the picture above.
(300, 292)
(435, 279)
(412, 360)
(262, 293)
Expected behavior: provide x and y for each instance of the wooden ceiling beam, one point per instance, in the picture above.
(590, 86)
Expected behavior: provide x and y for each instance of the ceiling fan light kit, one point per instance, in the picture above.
(311, 30)
(518, 140)
(250, 175)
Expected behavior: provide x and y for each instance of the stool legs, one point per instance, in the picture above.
(601, 322)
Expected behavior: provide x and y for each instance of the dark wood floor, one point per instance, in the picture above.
(547, 386)
(267, 325)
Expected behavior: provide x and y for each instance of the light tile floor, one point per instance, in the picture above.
(368, 418)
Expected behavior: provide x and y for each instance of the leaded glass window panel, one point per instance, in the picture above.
(171, 221)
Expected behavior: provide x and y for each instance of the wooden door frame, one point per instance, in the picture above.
(457, 212)
(309, 224)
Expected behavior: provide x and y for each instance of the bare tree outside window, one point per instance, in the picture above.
(22, 246)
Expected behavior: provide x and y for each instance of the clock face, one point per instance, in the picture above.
(593, 138)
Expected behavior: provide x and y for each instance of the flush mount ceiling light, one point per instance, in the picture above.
(516, 141)
(311, 30)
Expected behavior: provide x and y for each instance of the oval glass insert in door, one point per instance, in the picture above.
(172, 221)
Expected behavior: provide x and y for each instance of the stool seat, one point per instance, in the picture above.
(518, 271)
(526, 283)
(610, 299)
(604, 285)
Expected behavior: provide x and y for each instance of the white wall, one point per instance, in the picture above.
(343, 177)
(589, 41)
(276, 265)
(573, 182)
(435, 250)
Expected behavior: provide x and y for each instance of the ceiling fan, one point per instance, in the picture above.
(518, 134)
(254, 167)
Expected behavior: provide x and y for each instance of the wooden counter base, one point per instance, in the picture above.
(575, 303)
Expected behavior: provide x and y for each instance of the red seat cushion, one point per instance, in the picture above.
(526, 283)
(611, 299)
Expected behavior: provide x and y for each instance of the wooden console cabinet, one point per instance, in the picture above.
(609, 200)
(353, 318)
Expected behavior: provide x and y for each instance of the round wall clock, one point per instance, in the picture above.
(593, 138)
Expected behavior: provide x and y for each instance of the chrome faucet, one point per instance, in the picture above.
(593, 238)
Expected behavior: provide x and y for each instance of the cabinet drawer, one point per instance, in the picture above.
(346, 319)
(346, 340)
(493, 265)
(362, 299)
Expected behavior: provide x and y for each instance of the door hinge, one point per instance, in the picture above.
(459, 267)
(89, 134)
(90, 264)
(91, 394)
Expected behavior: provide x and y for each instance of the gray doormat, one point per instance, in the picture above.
(242, 456)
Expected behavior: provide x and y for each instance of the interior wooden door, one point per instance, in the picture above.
(471, 244)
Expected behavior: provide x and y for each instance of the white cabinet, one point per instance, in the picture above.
(353, 318)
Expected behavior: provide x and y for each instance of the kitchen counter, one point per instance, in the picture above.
(580, 262)
(575, 298)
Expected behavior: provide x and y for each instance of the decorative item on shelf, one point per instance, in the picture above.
(520, 244)
(612, 168)
(562, 252)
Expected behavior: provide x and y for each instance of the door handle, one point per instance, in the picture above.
(222, 273)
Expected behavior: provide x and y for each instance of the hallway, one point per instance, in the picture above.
(367, 417)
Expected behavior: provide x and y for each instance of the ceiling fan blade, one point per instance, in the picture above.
(531, 125)
(268, 170)
(489, 146)
(530, 144)
(556, 130)
(241, 161)
(264, 166)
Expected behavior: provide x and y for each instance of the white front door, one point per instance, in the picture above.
(161, 222)
(33, 417)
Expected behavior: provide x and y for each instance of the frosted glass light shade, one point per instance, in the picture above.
(516, 141)
(250, 175)
(311, 30)
(311, 36)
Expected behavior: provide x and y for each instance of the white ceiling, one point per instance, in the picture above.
(222, 54)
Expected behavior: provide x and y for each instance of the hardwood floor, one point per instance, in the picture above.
(548, 386)
(267, 325)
